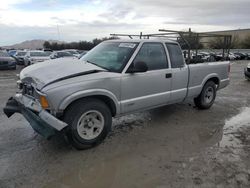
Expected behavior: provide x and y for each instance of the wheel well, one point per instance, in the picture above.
(109, 102)
(215, 80)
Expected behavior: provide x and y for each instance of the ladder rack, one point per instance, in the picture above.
(187, 39)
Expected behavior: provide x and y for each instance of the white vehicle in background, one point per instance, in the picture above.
(73, 52)
(36, 56)
(20, 56)
(61, 54)
(206, 56)
(231, 56)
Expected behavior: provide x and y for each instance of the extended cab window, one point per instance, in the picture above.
(175, 55)
(154, 55)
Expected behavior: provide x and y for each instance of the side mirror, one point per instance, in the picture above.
(139, 66)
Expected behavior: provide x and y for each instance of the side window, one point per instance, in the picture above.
(175, 55)
(154, 55)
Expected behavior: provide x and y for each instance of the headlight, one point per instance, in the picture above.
(19, 84)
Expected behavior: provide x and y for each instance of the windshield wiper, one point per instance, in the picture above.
(97, 65)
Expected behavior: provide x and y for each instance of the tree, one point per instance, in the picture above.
(47, 45)
(217, 43)
(235, 43)
(191, 41)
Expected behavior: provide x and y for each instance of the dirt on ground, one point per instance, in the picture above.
(172, 146)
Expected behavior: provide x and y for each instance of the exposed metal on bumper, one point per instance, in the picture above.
(40, 120)
(224, 83)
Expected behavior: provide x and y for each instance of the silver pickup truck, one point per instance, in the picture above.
(117, 77)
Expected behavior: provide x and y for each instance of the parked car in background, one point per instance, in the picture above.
(247, 72)
(19, 56)
(6, 61)
(82, 54)
(219, 57)
(248, 56)
(207, 57)
(12, 52)
(237, 57)
(61, 54)
(73, 52)
(231, 56)
(36, 56)
(242, 56)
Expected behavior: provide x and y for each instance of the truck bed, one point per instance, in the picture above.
(200, 73)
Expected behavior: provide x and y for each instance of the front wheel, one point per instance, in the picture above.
(207, 96)
(89, 122)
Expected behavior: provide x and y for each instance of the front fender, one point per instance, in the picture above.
(88, 93)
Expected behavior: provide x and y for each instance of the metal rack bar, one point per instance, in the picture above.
(184, 38)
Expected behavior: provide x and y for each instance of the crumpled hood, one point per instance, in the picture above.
(51, 71)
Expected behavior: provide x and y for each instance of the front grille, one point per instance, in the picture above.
(3, 62)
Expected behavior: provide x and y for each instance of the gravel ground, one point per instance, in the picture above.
(173, 146)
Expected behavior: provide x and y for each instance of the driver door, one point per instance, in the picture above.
(149, 89)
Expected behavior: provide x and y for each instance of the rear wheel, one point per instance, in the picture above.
(89, 122)
(207, 96)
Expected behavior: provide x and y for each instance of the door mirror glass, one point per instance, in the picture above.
(139, 66)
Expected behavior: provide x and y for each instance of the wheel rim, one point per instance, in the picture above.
(90, 125)
(209, 95)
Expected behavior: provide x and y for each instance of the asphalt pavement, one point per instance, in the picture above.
(172, 146)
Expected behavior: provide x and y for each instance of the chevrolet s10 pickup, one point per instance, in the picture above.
(79, 97)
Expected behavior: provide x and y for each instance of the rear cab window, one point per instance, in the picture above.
(175, 55)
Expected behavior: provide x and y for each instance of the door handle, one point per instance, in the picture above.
(169, 75)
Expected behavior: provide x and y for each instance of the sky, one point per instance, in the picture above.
(75, 20)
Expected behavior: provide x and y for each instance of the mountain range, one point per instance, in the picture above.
(30, 44)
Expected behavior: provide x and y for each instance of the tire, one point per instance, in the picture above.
(207, 96)
(89, 123)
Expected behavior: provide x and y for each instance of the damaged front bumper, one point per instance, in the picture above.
(41, 121)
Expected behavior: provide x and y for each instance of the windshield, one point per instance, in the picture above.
(4, 54)
(21, 53)
(112, 56)
(39, 54)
